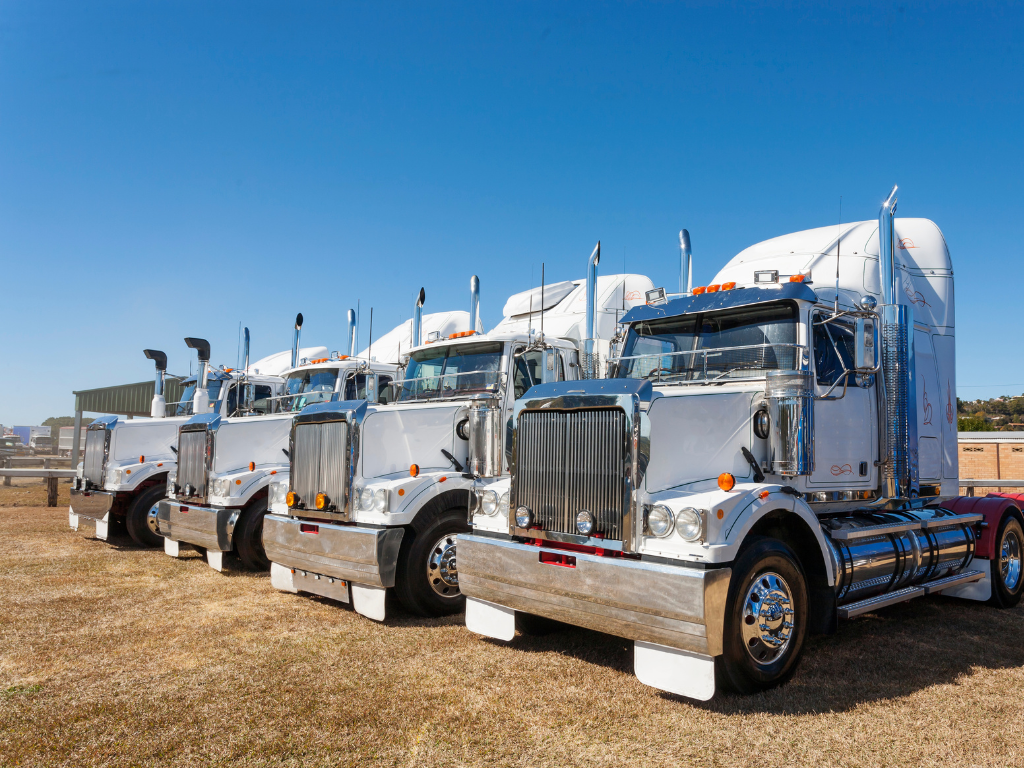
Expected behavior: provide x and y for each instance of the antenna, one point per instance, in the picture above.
(542, 299)
(839, 245)
(369, 349)
(357, 326)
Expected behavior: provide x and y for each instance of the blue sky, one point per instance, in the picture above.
(173, 169)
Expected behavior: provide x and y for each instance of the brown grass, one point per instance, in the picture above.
(112, 655)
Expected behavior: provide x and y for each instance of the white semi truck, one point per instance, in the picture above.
(126, 462)
(773, 453)
(217, 496)
(378, 492)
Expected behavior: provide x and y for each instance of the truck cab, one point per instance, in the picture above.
(769, 455)
(378, 492)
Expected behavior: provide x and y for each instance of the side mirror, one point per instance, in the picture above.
(865, 346)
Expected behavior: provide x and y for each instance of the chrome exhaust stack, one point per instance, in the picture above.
(417, 320)
(474, 304)
(351, 333)
(899, 478)
(685, 263)
(295, 342)
(201, 399)
(159, 407)
(589, 359)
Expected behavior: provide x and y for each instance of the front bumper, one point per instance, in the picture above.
(668, 605)
(208, 527)
(94, 505)
(361, 555)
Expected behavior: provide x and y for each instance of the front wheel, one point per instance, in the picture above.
(141, 519)
(249, 536)
(1007, 579)
(427, 579)
(765, 618)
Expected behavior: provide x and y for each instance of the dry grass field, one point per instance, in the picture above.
(112, 655)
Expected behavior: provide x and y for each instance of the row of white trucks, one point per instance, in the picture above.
(713, 474)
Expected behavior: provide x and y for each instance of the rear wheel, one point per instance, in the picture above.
(765, 618)
(1007, 578)
(249, 536)
(427, 579)
(141, 517)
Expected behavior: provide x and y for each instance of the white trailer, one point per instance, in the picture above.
(378, 492)
(66, 438)
(126, 462)
(755, 470)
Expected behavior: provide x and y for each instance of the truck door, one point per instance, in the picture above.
(845, 442)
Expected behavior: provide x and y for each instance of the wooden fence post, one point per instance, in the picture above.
(7, 465)
(51, 491)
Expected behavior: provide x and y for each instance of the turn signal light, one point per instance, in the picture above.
(252, 466)
(797, 278)
(142, 459)
(728, 286)
(321, 501)
(461, 335)
(292, 499)
(414, 470)
(726, 481)
(699, 291)
(714, 288)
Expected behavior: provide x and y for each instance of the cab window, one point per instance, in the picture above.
(833, 349)
(528, 370)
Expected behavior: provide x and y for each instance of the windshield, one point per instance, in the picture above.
(452, 370)
(184, 407)
(314, 385)
(738, 343)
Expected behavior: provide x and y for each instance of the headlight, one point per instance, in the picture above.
(220, 486)
(488, 502)
(114, 476)
(585, 522)
(524, 517)
(366, 499)
(503, 505)
(172, 480)
(380, 501)
(660, 521)
(688, 523)
(278, 493)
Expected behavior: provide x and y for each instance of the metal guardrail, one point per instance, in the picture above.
(970, 485)
(50, 477)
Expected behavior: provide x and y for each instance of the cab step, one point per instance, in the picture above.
(942, 522)
(952, 581)
(851, 610)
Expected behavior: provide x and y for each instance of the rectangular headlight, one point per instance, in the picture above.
(278, 493)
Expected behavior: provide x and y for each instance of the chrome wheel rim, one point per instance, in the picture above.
(767, 621)
(151, 519)
(442, 568)
(1010, 560)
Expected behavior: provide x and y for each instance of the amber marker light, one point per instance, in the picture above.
(728, 286)
(714, 288)
(699, 291)
(252, 466)
(142, 459)
(726, 481)
(238, 482)
(401, 491)
(797, 278)
(414, 470)
(321, 501)
(292, 499)
(764, 494)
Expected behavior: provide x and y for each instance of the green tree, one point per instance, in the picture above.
(974, 424)
(56, 422)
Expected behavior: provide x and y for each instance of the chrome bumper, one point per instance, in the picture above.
(664, 604)
(93, 505)
(361, 555)
(208, 527)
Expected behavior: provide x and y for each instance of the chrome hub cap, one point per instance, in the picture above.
(767, 623)
(151, 519)
(1010, 560)
(442, 570)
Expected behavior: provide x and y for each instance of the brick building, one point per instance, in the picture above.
(995, 455)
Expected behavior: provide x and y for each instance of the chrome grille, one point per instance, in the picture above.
(192, 461)
(95, 445)
(320, 462)
(570, 461)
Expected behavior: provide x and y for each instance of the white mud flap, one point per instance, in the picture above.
(72, 519)
(281, 578)
(975, 590)
(102, 528)
(490, 620)
(172, 547)
(368, 601)
(670, 669)
(215, 560)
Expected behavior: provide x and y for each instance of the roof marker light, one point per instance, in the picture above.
(714, 288)
(461, 334)
(698, 291)
(728, 286)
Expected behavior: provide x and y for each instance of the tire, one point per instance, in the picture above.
(427, 578)
(1008, 563)
(141, 525)
(767, 567)
(248, 536)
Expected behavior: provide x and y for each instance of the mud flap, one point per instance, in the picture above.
(103, 528)
(281, 578)
(368, 601)
(976, 590)
(490, 620)
(72, 519)
(670, 669)
(172, 547)
(215, 559)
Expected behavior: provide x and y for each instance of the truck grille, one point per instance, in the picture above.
(95, 445)
(320, 463)
(571, 461)
(192, 462)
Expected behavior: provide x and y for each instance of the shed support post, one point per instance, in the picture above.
(76, 440)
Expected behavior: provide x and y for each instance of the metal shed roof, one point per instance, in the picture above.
(125, 399)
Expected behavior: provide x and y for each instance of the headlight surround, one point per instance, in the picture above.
(488, 502)
(278, 493)
(689, 524)
(660, 521)
(503, 505)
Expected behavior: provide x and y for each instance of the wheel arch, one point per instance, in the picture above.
(993, 509)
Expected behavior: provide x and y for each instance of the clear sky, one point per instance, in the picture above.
(173, 169)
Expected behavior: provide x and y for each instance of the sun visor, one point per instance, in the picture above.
(710, 302)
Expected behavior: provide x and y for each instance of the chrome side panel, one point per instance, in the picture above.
(362, 555)
(667, 605)
(93, 505)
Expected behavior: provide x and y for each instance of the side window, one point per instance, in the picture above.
(232, 400)
(261, 402)
(833, 350)
(354, 385)
(382, 388)
(527, 372)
